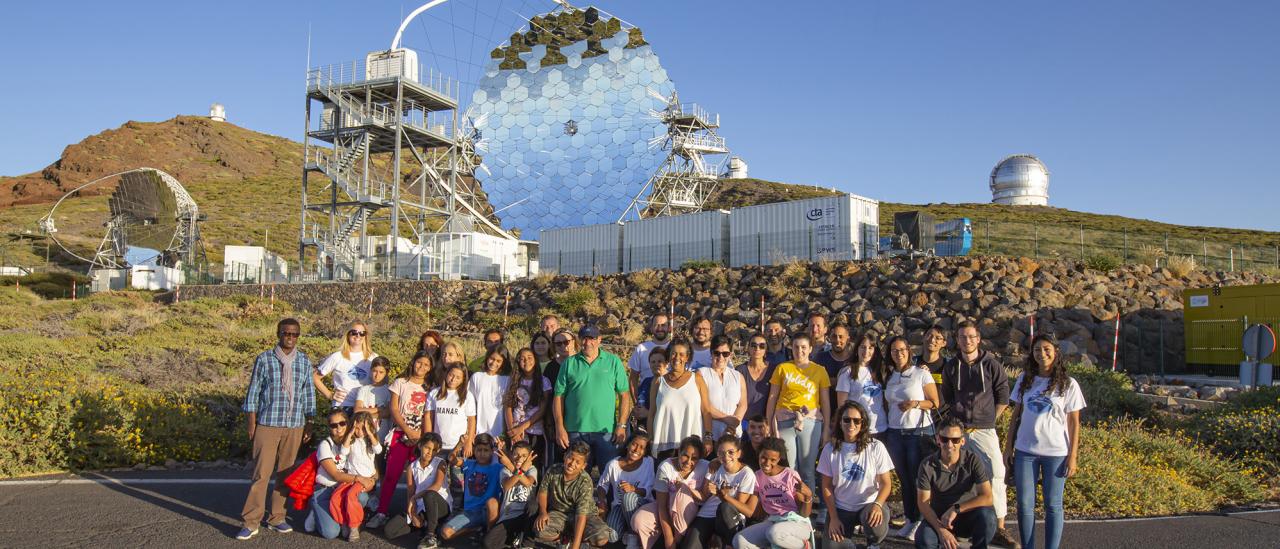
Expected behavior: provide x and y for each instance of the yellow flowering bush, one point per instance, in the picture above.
(1245, 429)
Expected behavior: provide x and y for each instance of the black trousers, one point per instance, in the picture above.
(724, 525)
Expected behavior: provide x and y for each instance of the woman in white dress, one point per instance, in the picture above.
(678, 399)
(726, 391)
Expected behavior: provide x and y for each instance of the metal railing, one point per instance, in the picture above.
(705, 143)
(349, 180)
(695, 110)
(355, 113)
(355, 72)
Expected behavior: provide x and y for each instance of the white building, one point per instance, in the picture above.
(253, 265)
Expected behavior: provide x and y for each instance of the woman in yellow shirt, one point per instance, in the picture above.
(799, 406)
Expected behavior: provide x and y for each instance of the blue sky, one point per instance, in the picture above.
(1164, 110)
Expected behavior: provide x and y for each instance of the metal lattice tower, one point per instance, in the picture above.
(382, 122)
(686, 179)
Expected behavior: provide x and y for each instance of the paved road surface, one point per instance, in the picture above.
(201, 509)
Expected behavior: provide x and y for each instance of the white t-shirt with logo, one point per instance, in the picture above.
(903, 386)
(867, 392)
(853, 474)
(449, 421)
(1042, 429)
(484, 401)
(328, 449)
(348, 374)
(516, 500)
(614, 475)
(639, 360)
(730, 484)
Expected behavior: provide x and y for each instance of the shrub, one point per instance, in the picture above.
(1181, 265)
(1150, 255)
(1108, 394)
(644, 280)
(699, 264)
(1102, 263)
(577, 301)
(1128, 470)
(1246, 429)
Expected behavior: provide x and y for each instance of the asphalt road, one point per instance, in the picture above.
(201, 509)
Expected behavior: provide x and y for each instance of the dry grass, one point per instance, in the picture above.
(1148, 254)
(644, 280)
(1181, 265)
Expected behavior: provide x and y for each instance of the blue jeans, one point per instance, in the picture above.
(602, 448)
(325, 524)
(904, 450)
(803, 447)
(1051, 472)
(979, 525)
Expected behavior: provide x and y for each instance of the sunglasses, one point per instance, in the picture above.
(952, 440)
(760, 345)
(722, 354)
(853, 420)
(562, 343)
(356, 333)
(338, 424)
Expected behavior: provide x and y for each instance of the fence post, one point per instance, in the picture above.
(1278, 256)
(810, 243)
(988, 250)
(760, 250)
(1162, 349)
(1036, 252)
(1126, 245)
(1205, 250)
(669, 266)
(1166, 244)
(1082, 242)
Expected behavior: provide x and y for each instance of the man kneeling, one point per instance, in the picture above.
(945, 478)
(566, 494)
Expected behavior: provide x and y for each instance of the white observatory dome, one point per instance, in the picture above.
(1020, 180)
(217, 113)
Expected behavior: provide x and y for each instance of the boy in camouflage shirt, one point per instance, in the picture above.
(567, 492)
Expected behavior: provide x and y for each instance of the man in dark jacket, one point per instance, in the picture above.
(976, 387)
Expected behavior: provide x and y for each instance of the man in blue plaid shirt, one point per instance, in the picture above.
(281, 397)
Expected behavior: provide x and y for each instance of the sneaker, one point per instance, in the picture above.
(246, 533)
(908, 530)
(282, 528)
(354, 535)
(309, 525)
(343, 531)
(377, 521)
(1004, 539)
(428, 542)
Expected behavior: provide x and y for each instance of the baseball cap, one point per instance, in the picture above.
(589, 331)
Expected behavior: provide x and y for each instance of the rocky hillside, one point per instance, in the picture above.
(898, 296)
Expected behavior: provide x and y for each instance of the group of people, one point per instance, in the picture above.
(687, 443)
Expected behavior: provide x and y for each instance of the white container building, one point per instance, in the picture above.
(253, 265)
(154, 277)
(670, 241)
(838, 228)
(585, 250)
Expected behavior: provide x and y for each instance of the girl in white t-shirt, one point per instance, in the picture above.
(1044, 439)
(446, 404)
(375, 397)
(910, 395)
(730, 493)
(525, 403)
(677, 495)
(626, 483)
(863, 380)
(856, 478)
(362, 449)
(349, 367)
(331, 458)
(408, 413)
(485, 389)
(428, 488)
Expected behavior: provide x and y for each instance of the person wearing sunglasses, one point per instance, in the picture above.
(349, 366)
(726, 392)
(953, 489)
(332, 456)
(856, 480)
(755, 375)
(280, 398)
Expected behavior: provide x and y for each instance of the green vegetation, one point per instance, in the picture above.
(1246, 429)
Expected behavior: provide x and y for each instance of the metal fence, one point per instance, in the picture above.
(1080, 242)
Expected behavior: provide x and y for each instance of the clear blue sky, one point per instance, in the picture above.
(1165, 110)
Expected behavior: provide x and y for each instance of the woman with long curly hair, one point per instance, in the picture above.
(863, 380)
(1043, 443)
(856, 479)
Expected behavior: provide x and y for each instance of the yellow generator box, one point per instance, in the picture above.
(1215, 320)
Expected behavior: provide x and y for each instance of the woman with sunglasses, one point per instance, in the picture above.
(726, 391)
(349, 366)
(1043, 442)
(331, 457)
(755, 376)
(856, 480)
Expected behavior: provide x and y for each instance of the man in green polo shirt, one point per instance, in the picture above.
(590, 391)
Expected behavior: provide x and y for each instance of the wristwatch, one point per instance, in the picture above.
(620, 426)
